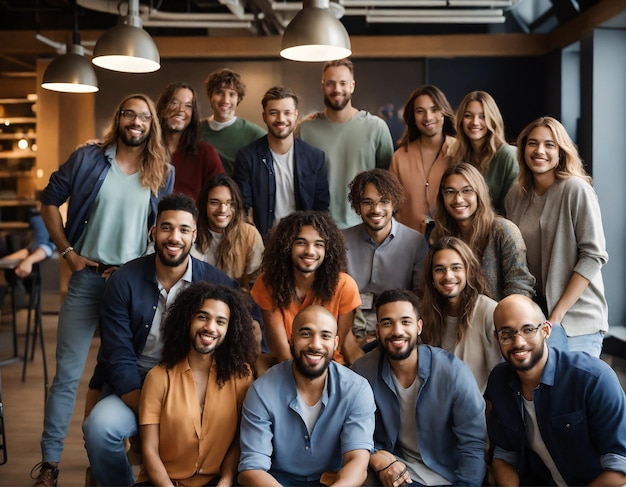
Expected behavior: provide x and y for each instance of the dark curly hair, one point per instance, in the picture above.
(386, 184)
(178, 202)
(237, 353)
(277, 266)
(191, 135)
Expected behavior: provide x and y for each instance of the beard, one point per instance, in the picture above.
(403, 354)
(535, 357)
(310, 372)
(338, 106)
(167, 260)
(132, 141)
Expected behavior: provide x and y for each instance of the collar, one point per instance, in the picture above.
(392, 234)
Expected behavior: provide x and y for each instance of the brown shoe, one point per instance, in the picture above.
(48, 474)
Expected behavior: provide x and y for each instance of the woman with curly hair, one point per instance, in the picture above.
(464, 211)
(303, 264)
(480, 142)
(190, 405)
(557, 211)
(224, 239)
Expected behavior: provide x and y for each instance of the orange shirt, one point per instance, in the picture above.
(192, 447)
(345, 300)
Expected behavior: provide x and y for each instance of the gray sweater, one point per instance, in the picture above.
(572, 240)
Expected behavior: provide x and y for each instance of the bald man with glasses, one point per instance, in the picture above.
(555, 417)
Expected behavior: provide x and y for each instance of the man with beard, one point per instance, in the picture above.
(278, 174)
(374, 245)
(555, 417)
(309, 420)
(135, 301)
(113, 191)
(430, 415)
(190, 405)
(195, 160)
(353, 140)
(302, 265)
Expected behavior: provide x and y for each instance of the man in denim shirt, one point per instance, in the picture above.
(308, 420)
(557, 418)
(430, 417)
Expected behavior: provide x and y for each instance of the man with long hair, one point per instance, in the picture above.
(195, 160)
(134, 304)
(423, 155)
(456, 308)
(224, 130)
(374, 245)
(353, 140)
(190, 404)
(113, 190)
(430, 415)
(303, 264)
(279, 173)
(464, 211)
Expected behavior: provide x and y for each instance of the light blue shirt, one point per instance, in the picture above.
(274, 436)
(395, 263)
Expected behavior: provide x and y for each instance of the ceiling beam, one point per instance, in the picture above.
(13, 43)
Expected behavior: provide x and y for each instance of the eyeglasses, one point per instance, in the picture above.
(506, 336)
(177, 105)
(131, 116)
(440, 270)
(371, 204)
(451, 193)
(218, 204)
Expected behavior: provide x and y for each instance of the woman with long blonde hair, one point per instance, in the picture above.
(557, 211)
(481, 142)
(224, 239)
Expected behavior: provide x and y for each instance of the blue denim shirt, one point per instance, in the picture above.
(581, 413)
(449, 412)
(274, 436)
(80, 179)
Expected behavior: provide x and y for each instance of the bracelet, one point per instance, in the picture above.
(385, 468)
(67, 251)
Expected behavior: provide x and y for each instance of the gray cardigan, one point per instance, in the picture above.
(572, 240)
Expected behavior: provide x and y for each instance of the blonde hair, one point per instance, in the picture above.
(154, 161)
(570, 163)
(463, 150)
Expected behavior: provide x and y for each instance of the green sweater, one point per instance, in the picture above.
(230, 139)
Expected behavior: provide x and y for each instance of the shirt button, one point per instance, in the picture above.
(567, 425)
(147, 326)
(306, 447)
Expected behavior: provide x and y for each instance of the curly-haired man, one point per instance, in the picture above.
(192, 401)
(375, 245)
(303, 264)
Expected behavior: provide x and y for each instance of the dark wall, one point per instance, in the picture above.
(523, 87)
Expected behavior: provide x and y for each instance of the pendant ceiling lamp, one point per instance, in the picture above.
(71, 72)
(127, 47)
(315, 35)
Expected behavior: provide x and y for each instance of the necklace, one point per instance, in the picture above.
(427, 174)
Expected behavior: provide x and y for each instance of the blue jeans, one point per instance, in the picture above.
(592, 343)
(77, 323)
(110, 422)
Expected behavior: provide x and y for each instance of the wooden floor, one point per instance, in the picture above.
(23, 410)
(23, 405)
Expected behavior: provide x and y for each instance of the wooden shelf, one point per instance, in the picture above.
(16, 174)
(18, 136)
(17, 154)
(16, 202)
(12, 101)
(14, 226)
(17, 120)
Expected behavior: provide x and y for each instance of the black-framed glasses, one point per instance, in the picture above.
(131, 116)
(506, 336)
(465, 192)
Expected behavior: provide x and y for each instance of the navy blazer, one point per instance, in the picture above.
(130, 301)
(254, 173)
